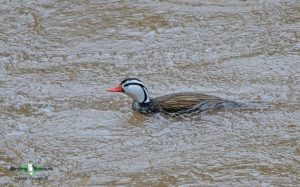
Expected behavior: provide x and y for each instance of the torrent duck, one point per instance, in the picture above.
(178, 103)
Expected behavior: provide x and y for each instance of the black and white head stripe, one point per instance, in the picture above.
(136, 89)
(132, 81)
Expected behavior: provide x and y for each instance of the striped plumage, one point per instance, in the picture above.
(178, 103)
(191, 102)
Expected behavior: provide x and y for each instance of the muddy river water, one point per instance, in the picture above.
(58, 57)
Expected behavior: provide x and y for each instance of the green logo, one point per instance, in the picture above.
(30, 169)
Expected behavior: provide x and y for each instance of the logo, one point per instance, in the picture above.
(30, 170)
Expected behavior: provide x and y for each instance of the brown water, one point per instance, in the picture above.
(58, 57)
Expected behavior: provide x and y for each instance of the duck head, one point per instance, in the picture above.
(134, 88)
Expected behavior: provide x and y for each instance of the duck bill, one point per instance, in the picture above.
(116, 89)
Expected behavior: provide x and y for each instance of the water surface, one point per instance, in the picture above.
(58, 57)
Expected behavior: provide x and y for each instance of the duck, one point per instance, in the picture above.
(173, 104)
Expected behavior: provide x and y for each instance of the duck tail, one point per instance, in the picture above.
(229, 105)
(250, 105)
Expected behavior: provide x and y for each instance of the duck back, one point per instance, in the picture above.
(191, 102)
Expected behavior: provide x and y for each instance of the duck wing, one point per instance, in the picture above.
(186, 102)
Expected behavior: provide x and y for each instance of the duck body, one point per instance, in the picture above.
(178, 103)
(182, 103)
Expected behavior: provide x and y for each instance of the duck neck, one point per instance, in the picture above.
(145, 104)
(144, 107)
